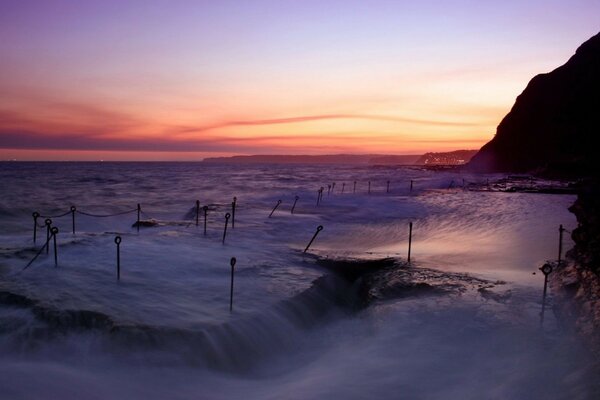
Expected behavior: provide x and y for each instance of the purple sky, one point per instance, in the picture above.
(144, 79)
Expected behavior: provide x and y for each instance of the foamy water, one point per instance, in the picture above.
(165, 331)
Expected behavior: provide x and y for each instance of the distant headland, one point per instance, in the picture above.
(458, 157)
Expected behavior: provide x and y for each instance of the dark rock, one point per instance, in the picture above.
(553, 124)
(577, 282)
(586, 236)
(149, 223)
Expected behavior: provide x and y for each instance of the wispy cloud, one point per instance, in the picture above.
(311, 118)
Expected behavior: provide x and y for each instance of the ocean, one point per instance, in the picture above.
(462, 320)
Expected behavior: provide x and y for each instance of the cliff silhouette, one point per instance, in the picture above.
(551, 126)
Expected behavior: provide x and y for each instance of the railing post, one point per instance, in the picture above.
(233, 205)
(319, 229)
(275, 208)
(118, 243)
(410, 226)
(205, 208)
(139, 211)
(48, 223)
(232, 263)
(560, 242)
(35, 215)
(73, 209)
(54, 232)
(227, 216)
(546, 270)
(295, 201)
(197, 211)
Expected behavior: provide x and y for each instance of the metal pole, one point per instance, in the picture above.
(275, 208)
(319, 229)
(227, 216)
(388, 187)
(354, 190)
(197, 211)
(73, 209)
(343, 187)
(410, 225)
(369, 191)
(139, 210)
(411, 185)
(54, 232)
(233, 204)
(35, 215)
(560, 242)
(232, 263)
(546, 270)
(205, 208)
(48, 223)
(118, 242)
(295, 201)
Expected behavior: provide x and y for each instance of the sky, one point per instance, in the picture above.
(184, 80)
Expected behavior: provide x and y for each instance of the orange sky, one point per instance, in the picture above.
(130, 81)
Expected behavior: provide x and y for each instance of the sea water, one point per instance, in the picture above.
(165, 330)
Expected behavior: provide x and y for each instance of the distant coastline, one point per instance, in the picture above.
(458, 157)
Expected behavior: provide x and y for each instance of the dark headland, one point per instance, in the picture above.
(553, 123)
(550, 130)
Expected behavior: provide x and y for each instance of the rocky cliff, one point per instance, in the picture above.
(552, 124)
(576, 283)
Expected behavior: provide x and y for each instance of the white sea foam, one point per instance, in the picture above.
(170, 334)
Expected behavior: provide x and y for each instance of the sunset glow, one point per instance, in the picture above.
(161, 80)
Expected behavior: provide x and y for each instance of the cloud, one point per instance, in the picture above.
(11, 139)
(51, 125)
(310, 118)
